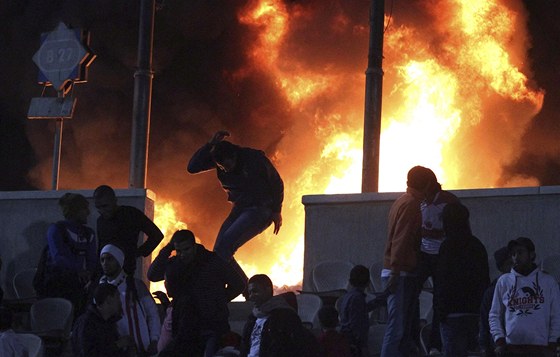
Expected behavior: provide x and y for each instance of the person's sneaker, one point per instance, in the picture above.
(434, 352)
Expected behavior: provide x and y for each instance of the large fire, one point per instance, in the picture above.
(439, 85)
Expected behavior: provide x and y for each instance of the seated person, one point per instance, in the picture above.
(95, 332)
(274, 328)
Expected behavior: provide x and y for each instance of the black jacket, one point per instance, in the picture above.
(283, 335)
(92, 336)
(462, 275)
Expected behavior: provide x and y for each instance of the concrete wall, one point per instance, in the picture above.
(353, 227)
(26, 215)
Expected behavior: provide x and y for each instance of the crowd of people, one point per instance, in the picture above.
(429, 236)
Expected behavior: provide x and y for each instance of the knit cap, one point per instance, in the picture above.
(115, 251)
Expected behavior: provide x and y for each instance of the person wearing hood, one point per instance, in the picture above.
(525, 315)
(463, 276)
(274, 327)
(201, 285)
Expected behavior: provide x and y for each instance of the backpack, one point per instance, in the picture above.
(40, 278)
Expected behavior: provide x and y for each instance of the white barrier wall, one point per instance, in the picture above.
(353, 227)
(26, 215)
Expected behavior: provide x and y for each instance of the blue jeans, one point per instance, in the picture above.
(240, 226)
(459, 334)
(398, 340)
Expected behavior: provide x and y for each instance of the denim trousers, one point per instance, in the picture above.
(241, 225)
(400, 308)
(459, 334)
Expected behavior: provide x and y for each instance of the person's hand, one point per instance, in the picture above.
(277, 219)
(219, 136)
(152, 348)
(393, 282)
(161, 296)
(501, 346)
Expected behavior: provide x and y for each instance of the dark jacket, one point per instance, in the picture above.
(200, 286)
(484, 337)
(462, 275)
(254, 182)
(283, 335)
(92, 336)
(123, 230)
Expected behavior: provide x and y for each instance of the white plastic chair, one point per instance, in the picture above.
(33, 343)
(331, 275)
(375, 275)
(308, 307)
(23, 284)
(551, 264)
(51, 319)
(426, 306)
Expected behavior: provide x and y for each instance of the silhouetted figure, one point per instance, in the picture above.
(122, 225)
(354, 318)
(140, 314)
(72, 253)
(485, 342)
(331, 342)
(433, 236)
(95, 332)
(274, 327)
(463, 277)
(254, 187)
(525, 315)
(201, 285)
(400, 263)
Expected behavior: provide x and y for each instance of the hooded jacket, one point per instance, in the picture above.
(253, 182)
(529, 306)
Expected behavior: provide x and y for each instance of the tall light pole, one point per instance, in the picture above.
(142, 97)
(372, 108)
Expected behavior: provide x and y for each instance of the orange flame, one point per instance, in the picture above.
(456, 99)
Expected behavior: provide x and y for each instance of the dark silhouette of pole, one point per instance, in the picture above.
(142, 97)
(372, 111)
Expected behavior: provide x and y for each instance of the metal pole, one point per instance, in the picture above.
(142, 97)
(372, 111)
(56, 152)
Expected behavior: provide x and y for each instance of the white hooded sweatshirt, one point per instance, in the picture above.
(529, 306)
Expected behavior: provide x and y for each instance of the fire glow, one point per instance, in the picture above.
(456, 99)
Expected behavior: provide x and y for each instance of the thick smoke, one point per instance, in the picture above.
(206, 80)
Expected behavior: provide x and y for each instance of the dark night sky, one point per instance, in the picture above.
(198, 56)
